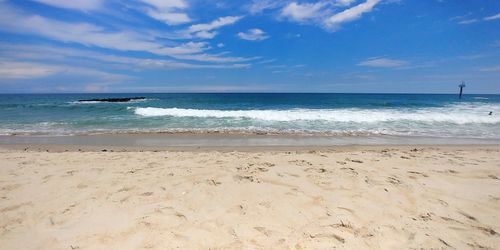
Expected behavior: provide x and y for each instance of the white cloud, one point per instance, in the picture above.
(495, 68)
(168, 11)
(253, 35)
(207, 30)
(259, 6)
(92, 35)
(491, 18)
(62, 55)
(301, 12)
(350, 14)
(171, 18)
(167, 4)
(84, 5)
(383, 63)
(217, 58)
(267, 61)
(197, 88)
(468, 21)
(33, 70)
(325, 13)
(83, 33)
(344, 2)
(22, 70)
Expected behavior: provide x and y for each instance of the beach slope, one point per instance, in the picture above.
(390, 197)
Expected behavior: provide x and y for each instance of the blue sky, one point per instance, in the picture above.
(396, 46)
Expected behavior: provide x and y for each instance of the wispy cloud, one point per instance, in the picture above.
(60, 55)
(472, 56)
(259, 6)
(267, 61)
(198, 88)
(253, 35)
(208, 30)
(302, 12)
(168, 11)
(30, 70)
(383, 63)
(326, 14)
(92, 35)
(344, 2)
(468, 21)
(495, 68)
(283, 68)
(83, 5)
(23, 70)
(491, 18)
(83, 33)
(350, 14)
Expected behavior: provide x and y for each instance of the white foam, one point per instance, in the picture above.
(456, 114)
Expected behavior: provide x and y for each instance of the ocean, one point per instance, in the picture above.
(414, 115)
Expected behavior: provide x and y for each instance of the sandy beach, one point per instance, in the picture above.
(392, 197)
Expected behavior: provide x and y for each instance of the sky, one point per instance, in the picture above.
(336, 46)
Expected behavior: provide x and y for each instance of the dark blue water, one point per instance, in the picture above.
(346, 114)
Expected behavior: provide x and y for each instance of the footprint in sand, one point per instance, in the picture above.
(11, 187)
(268, 164)
(448, 219)
(418, 173)
(350, 171)
(249, 178)
(487, 230)
(426, 217)
(263, 230)
(494, 177)
(125, 189)
(15, 207)
(468, 216)
(239, 209)
(393, 180)
(154, 164)
(331, 235)
(213, 182)
(354, 160)
(302, 163)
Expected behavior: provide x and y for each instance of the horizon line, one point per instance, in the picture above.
(96, 93)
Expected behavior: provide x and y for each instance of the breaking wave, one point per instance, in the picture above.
(452, 114)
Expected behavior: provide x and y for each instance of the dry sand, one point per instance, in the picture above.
(347, 198)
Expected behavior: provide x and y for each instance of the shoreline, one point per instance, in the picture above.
(52, 148)
(224, 141)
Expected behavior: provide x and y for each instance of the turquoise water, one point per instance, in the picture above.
(336, 114)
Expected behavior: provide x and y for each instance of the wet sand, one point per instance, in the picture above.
(361, 197)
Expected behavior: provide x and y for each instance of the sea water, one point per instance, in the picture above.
(427, 115)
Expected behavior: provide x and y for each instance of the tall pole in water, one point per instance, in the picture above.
(462, 85)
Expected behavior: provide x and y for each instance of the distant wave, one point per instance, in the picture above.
(481, 98)
(84, 102)
(465, 114)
